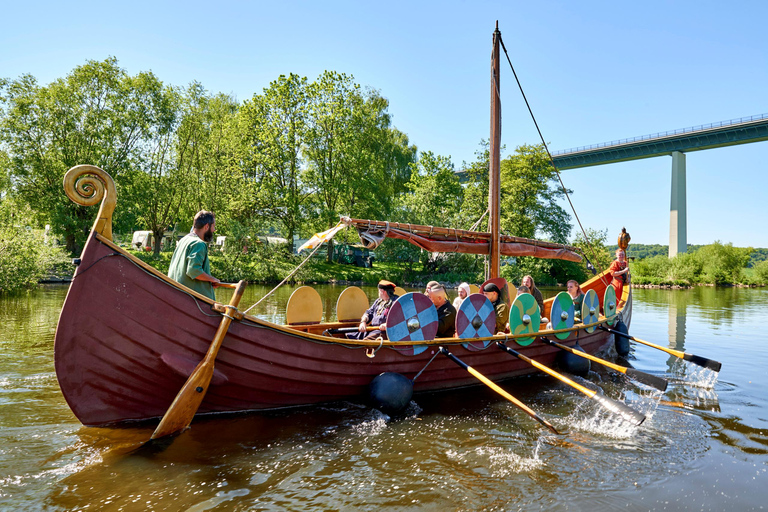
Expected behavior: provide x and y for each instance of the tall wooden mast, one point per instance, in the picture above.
(494, 187)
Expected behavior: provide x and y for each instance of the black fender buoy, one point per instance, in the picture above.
(390, 392)
(620, 342)
(572, 363)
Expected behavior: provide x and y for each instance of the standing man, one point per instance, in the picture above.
(619, 270)
(446, 313)
(189, 264)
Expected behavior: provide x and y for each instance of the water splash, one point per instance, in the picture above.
(375, 425)
(694, 375)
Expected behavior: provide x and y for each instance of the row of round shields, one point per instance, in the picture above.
(525, 317)
(414, 318)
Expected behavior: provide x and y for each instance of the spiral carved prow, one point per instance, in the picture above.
(88, 185)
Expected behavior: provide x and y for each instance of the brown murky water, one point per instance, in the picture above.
(704, 445)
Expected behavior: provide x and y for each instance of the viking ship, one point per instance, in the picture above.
(128, 337)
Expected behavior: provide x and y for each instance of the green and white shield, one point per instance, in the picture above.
(562, 314)
(590, 310)
(524, 318)
(609, 304)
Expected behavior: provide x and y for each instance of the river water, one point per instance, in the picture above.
(704, 445)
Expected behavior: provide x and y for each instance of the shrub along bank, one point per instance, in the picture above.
(717, 263)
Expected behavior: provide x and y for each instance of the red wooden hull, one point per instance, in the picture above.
(127, 339)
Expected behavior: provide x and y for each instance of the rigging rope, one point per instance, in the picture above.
(551, 160)
(286, 279)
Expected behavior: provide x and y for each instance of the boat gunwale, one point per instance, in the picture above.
(337, 341)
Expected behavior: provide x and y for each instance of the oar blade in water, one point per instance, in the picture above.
(621, 409)
(648, 379)
(187, 402)
(703, 361)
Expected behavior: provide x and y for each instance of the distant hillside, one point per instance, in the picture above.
(642, 251)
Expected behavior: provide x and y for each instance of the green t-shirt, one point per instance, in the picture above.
(190, 259)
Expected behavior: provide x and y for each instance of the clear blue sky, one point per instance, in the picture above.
(594, 71)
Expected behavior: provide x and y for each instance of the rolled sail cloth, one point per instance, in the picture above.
(319, 238)
(437, 239)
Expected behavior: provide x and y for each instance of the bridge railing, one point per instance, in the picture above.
(660, 135)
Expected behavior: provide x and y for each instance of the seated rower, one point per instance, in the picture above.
(574, 290)
(446, 313)
(524, 289)
(493, 293)
(463, 294)
(528, 281)
(376, 315)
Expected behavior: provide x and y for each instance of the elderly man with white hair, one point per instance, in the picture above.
(446, 313)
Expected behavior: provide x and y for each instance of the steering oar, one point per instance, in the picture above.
(179, 415)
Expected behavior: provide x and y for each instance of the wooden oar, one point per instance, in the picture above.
(368, 328)
(485, 380)
(179, 415)
(645, 378)
(701, 361)
(619, 408)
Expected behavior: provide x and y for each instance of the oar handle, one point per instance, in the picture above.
(615, 406)
(485, 380)
(368, 328)
(646, 378)
(701, 361)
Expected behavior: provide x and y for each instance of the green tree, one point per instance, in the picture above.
(529, 194)
(209, 152)
(761, 272)
(25, 258)
(595, 249)
(383, 158)
(475, 203)
(274, 127)
(155, 189)
(334, 98)
(434, 194)
(723, 263)
(98, 114)
(355, 161)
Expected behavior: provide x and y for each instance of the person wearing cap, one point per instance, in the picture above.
(493, 293)
(446, 313)
(376, 315)
(463, 294)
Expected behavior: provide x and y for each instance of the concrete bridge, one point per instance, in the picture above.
(675, 144)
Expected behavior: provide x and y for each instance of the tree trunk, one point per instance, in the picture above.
(158, 237)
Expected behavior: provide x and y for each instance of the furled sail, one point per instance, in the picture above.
(437, 239)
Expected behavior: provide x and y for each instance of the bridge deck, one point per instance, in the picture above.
(727, 133)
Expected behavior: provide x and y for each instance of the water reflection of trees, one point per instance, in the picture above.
(29, 319)
(721, 305)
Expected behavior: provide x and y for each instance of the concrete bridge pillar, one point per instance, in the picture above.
(678, 237)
